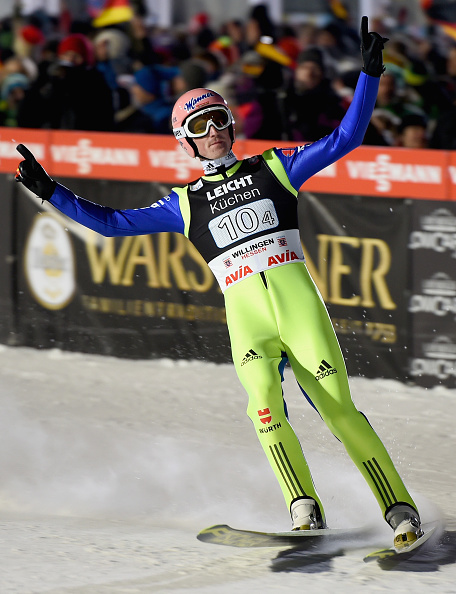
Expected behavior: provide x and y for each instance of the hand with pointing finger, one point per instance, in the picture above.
(372, 45)
(33, 176)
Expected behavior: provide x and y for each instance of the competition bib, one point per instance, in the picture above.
(251, 257)
(244, 222)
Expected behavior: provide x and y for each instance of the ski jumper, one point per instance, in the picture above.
(244, 223)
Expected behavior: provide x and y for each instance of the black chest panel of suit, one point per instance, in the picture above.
(248, 204)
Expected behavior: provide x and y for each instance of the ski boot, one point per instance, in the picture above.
(305, 514)
(406, 523)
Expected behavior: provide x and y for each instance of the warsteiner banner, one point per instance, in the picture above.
(356, 252)
(154, 296)
(378, 229)
(137, 297)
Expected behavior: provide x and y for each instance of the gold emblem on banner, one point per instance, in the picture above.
(49, 263)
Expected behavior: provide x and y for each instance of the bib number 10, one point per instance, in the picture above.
(243, 221)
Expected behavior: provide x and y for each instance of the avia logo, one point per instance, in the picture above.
(288, 152)
(265, 416)
(324, 370)
(236, 276)
(250, 356)
(282, 258)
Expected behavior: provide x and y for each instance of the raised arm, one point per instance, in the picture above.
(308, 160)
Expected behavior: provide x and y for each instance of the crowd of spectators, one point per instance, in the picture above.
(283, 82)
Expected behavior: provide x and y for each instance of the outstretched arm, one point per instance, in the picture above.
(164, 215)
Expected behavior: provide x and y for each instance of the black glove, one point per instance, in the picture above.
(372, 45)
(33, 176)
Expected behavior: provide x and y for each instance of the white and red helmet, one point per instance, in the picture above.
(199, 101)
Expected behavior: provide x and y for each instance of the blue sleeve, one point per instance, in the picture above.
(307, 160)
(163, 215)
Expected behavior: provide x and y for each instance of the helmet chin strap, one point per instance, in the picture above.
(212, 166)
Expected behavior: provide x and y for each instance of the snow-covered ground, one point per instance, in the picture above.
(110, 467)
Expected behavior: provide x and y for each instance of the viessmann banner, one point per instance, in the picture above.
(371, 171)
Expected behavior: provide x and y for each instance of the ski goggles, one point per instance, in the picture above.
(197, 125)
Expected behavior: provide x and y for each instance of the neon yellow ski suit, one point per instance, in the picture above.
(244, 223)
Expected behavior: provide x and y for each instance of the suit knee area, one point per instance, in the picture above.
(262, 413)
(344, 421)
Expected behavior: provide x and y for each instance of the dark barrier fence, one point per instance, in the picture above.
(432, 300)
(139, 297)
(384, 267)
(356, 251)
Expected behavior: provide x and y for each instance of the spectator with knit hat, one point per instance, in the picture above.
(28, 40)
(413, 132)
(13, 89)
(312, 107)
(111, 48)
(18, 65)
